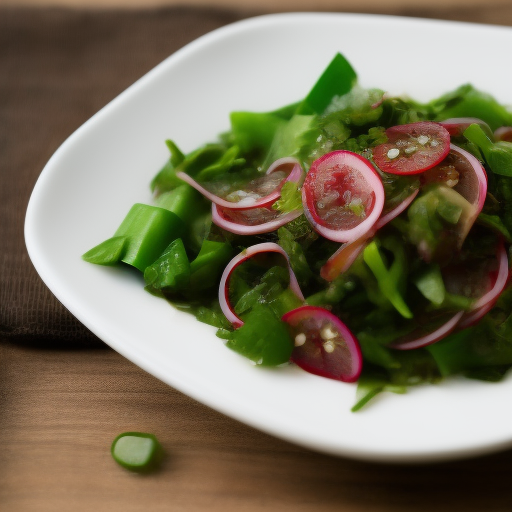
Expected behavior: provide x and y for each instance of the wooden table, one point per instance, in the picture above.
(62, 407)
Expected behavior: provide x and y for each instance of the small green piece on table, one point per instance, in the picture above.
(137, 451)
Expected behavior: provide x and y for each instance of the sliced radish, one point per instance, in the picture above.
(248, 253)
(259, 192)
(323, 344)
(457, 125)
(251, 221)
(421, 336)
(412, 148)
(342, 196)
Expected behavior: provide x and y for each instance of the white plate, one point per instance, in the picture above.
(90, 183)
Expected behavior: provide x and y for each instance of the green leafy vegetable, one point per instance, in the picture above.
(338, 78)
(263, 338)
(397, 286)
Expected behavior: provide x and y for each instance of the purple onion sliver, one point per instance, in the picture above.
(432, 337)
(294, 175)
(251, 251)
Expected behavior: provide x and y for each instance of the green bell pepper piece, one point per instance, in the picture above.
(171, 271)
(149, 230)
(338, 78)
(498, 155)
(140, 239)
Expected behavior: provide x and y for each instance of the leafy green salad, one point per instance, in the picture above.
(360, 236)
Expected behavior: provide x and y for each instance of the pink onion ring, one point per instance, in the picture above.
(503, 134)
(220, 218)
(501, 280)
(479, 174)
(288, 163)
(410, 342)
(395, 212)
(489, 299)
(248, 253)
(471, 318)
(457, 125)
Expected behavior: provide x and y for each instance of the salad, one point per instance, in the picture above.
(360, 236)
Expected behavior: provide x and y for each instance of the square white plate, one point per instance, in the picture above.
(258, 64)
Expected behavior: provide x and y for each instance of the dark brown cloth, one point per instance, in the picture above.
(57, 68)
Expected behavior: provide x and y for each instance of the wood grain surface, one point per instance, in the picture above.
(61, 408)
(268, 5)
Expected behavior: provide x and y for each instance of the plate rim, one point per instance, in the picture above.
(46, 274)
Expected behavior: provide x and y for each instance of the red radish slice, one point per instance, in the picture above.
(342, 195)
(504, 134)
(412, 148)
(457, 125)
(252, 221)
(323, 344)
(418, 339)
(260, 192)
(341, 260)
(248, 253)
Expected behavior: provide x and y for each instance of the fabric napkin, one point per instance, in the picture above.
(57, 68)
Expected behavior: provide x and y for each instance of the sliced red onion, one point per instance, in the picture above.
(337, 185)
(323, 344)
(418, 340)
(341, 260)
(479, 279)
(252, 221)
(248, 253)
(472, 185)
(500, 283)
(395, 212)
(473, 317)
(504, 134)
(457, 125)
(464, 174)
(289, 167)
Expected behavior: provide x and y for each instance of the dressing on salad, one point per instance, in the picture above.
(361, 236)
